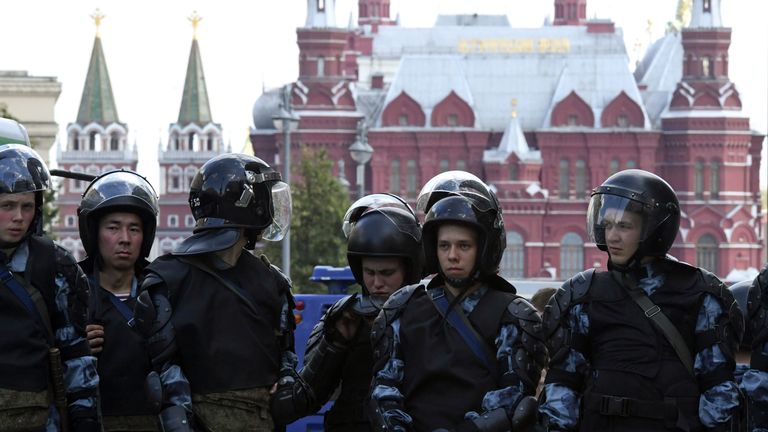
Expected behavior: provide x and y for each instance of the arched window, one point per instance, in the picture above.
(613, 166)
(631, 164)
(174, 144)
(513, 260)
(513, 172)
(92, 141)
(210, 146)
(394, 176)
(174, 179)
(444, 165)
(714, 180)
(564, 180)
(581, 179)
(190, 141)
(320, 66)
(571, 255)
(698, 179)
(74, 142)
(410, 180)
(114, 141)
(706, 252)
(461, 165)
(189, 174)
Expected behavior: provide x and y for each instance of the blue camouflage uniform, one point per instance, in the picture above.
(562, 405)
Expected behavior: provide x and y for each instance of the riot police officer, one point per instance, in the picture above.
(384, 253)
(43, 303)
(755, 380)
(117, 221)
(219, 320)
(647, 345)
(463, 352)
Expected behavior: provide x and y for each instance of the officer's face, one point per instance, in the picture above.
(456, 250)
(623, 231)
(16, 214)
(120, 238)
(383, 276)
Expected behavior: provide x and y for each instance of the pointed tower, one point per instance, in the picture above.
(570, 12)
(373, 13)
(711, 157)
(192, 140)
(96, 142)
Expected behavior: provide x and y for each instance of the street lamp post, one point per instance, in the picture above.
(361, 153)
(286, 121)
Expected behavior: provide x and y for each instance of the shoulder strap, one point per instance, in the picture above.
(30, 298)
(459, 321)
(654, 313)
(122, 308)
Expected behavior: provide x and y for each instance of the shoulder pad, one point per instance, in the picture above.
(283, 281)
(526, 315)
(341, 304)
(64, 257)
(579, 284)
(150, 279)
(400, 298)
(720, 292)
(570, 293)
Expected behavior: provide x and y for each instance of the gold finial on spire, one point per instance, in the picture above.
(195, 19)
(97, 16)
(514, 107)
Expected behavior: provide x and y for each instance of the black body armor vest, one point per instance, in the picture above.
(443, 379)
(24, 339)
(222, 343)
(632, 359)
(349, 412)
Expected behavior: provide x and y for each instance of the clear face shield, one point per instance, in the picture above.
(611, 211)
(282, 205)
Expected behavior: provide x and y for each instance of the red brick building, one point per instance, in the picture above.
(543, 115)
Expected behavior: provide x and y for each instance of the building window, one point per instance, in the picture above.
(461, 165)
(402, 120)
(189, 221)
(191, 141)
(581, 179)
(444, 165)
(513, 174)
(174, 179)
(706, 253)
(513, 260)
(630, 164)
(410, 180)
(74, 142)
(573, 120)
(622, 121)
(70, 221)
(714, 185)
(394, 177)
(174, 144)
(453, 120)
(564, 180)
(209, 147)
(320, 66)
(706, 67)
(173, 221)
(114, 141)
(707, 6)
(571, 255)
(92, 141)
(320, 5)
(613, 167)
(698, 179)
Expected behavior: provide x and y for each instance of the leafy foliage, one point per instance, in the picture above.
(319, 204)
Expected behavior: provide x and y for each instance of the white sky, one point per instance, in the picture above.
(248, 45)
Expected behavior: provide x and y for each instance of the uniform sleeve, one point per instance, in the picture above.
(714, 372)
(386, 398)
(560, 408)
(81, 379)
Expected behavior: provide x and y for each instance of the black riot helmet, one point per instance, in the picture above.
(640, 192)
(117, 191)
(459, 197)
(23, 170)
(740, 291)
(384, 226)
(231, 192)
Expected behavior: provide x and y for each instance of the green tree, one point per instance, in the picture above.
(50, 211)
(319, 204)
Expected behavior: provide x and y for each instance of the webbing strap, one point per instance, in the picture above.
(470, 336)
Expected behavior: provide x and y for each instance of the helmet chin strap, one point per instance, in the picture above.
(461, 283)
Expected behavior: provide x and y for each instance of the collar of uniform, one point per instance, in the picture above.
(19, 258)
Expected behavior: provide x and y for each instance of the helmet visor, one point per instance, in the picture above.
(455, 183)
(115, 186)
(376, 202)
(610, 212)
(282, 205)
